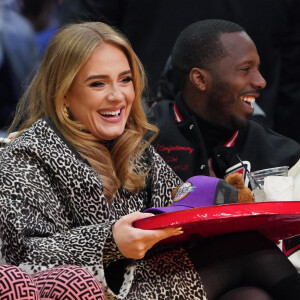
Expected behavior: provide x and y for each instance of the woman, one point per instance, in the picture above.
(80, 170)
(79, 162)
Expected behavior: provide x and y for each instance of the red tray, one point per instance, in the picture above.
(275, 220)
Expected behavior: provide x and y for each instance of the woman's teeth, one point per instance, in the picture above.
(107, 113)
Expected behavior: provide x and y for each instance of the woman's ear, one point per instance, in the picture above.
(66, 101)
(199, 78)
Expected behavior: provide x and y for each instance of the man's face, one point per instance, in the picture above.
(235, 83)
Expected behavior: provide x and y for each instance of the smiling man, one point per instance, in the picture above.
(216, 65)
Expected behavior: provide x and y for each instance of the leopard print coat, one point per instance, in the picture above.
(53, 212)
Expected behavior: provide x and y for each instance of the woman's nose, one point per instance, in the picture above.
(115, 94)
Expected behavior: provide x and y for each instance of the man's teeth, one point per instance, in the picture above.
(248, 99)
(108, 113)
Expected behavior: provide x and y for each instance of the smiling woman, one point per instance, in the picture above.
(91, 89)
(80, 169)
(102, 93)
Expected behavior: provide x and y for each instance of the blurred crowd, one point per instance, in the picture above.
(26, 26)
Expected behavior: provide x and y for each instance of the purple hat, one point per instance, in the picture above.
(199, 191)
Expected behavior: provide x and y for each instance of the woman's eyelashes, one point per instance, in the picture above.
(97, 84)
(126, 79)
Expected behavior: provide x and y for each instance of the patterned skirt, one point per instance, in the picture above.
(64, 283)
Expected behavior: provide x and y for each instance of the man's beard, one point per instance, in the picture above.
(220, 108)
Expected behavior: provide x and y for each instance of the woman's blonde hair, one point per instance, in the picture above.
(69, 50)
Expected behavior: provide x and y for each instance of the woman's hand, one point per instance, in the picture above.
(133, 242)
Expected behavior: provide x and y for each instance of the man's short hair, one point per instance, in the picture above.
(199, 45)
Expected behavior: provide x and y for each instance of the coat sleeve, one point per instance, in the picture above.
(40, 227)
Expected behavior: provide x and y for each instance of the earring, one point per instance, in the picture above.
(66, 112)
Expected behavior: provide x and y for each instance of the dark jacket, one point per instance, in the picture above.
(181, 144)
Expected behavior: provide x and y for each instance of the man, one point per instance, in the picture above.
(207, 129)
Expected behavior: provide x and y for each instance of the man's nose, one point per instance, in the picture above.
(258, 81)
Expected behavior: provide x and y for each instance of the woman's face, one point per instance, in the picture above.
(102, 93)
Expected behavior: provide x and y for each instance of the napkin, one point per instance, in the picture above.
(295, 173)
(279, 188)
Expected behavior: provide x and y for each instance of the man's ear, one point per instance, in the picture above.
(199, 78)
